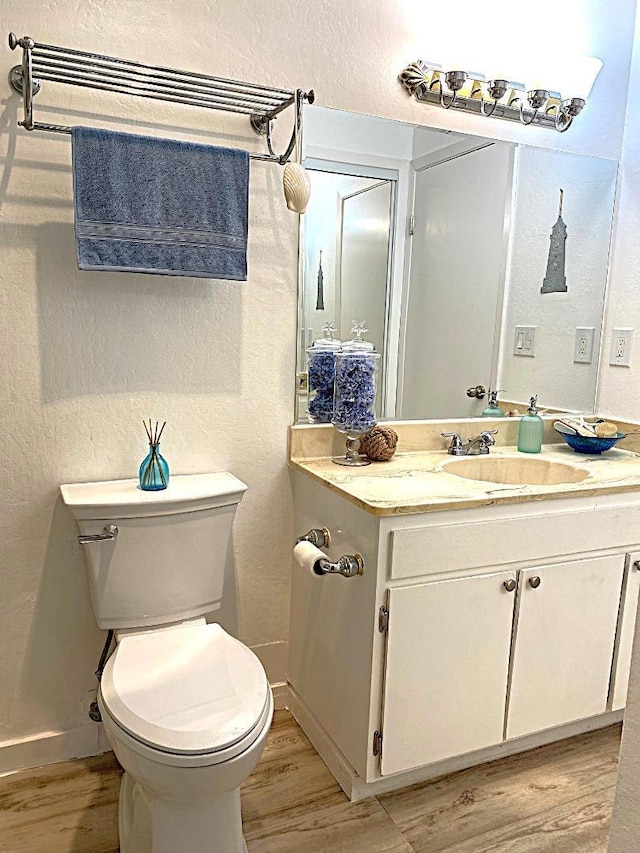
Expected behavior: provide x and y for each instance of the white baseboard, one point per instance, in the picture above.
(344, 774)
(52, 747)
(273, 657)
(281, 695)
(80, 742)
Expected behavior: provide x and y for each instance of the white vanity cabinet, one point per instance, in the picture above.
(446, 669)
(563, 643)
(472, 633)
(626, 632)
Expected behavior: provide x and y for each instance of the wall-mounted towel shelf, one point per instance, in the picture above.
(110, 74)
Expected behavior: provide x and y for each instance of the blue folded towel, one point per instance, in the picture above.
(159, 206)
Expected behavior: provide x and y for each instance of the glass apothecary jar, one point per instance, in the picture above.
(355, 394)
(321, 372)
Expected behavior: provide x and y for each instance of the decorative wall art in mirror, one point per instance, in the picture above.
(472, 262)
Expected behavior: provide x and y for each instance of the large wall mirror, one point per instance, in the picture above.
(472, 263)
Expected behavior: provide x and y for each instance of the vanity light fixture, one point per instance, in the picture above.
(501, 98)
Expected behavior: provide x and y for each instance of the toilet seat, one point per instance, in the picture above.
(186, 691)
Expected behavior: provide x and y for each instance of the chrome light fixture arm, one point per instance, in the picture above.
(496, 89)
(455, 80)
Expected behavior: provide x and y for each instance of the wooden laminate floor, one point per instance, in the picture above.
(556, 799)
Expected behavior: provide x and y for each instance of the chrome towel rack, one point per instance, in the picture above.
(125, 76)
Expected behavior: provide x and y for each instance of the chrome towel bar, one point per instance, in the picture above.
(110, 74)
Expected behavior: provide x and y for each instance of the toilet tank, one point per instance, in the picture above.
(167, 562)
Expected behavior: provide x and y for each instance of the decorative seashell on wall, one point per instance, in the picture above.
(297, 187)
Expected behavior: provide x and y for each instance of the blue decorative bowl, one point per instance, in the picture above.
(591, 444)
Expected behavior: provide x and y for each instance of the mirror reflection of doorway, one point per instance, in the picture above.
(350, 220)
(453, 316)
(364, 265)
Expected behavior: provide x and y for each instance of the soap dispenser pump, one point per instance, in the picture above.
(531, 429)
(493, 410)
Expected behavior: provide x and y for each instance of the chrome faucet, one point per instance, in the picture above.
(474, 447)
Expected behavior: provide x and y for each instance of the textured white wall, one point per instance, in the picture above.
(83, 357)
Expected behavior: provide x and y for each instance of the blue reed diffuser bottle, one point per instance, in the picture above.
(154, 470)
(355, 394)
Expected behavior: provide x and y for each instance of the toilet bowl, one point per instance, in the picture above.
(187, 711)
(186, 707)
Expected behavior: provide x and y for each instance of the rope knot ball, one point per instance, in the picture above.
(379, 444)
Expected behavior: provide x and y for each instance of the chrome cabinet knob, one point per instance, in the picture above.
(534, 582)
(510, 585)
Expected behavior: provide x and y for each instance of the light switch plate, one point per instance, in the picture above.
(583, 348)
(524, 341)
(621, 342)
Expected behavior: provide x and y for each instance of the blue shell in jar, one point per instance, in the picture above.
(322, 371)
(355, 392)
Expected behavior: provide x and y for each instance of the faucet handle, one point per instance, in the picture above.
(487, 437)
(455, 445)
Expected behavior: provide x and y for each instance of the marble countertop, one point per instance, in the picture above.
(414, 482)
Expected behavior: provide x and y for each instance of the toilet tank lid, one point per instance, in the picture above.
(125, 498)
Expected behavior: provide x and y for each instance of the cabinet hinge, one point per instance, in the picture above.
(377, 743)
(383, 619)
(412, 224)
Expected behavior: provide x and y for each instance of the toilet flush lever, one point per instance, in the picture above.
(110, 533)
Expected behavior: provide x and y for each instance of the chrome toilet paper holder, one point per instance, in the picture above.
(318, 536)
(349, 565)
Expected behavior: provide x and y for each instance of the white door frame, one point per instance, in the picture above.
(400, 171)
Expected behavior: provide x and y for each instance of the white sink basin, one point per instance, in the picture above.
(514, 470)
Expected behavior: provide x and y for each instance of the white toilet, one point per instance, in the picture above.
(186, 707)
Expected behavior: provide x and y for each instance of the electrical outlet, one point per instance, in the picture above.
(583, 348)
(621, 341)
(524, 342)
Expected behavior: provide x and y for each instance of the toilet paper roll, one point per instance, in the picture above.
(306, 554)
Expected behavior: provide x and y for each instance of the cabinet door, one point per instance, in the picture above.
(626, 631)
(563, 647)
(446, 669)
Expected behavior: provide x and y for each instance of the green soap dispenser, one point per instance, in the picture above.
(531, 429)
(493, 410)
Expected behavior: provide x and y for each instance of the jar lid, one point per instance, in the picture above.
(328, 342)
(356, 344)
